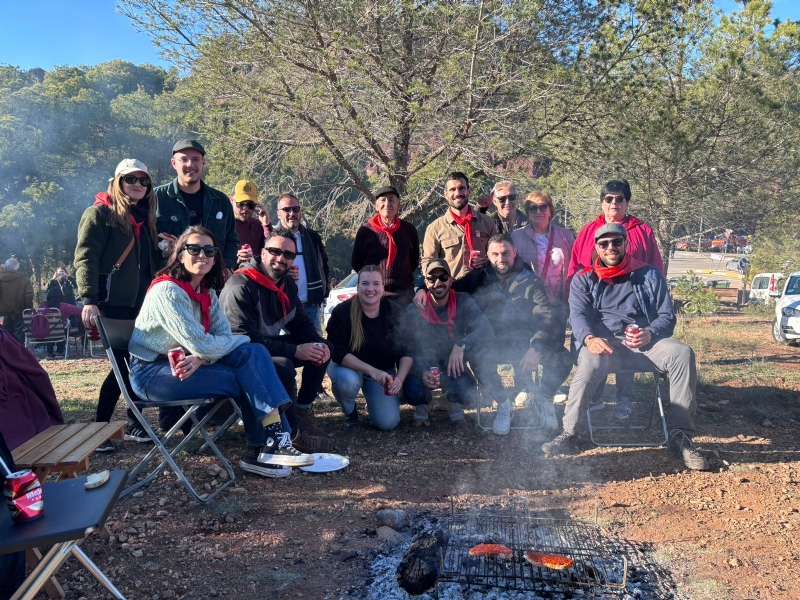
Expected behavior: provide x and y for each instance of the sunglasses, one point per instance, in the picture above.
(616, 242)
(538, 208)
(509, 198)
(287, 254)
(618, 199)
(195, 249)
(131, 179)
(248, 205)
(290, 209)
(434, 278)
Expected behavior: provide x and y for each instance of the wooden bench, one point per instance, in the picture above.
(732, 296)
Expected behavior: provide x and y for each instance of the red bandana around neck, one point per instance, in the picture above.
(103, 199)
(429, 314)
(266, 282)
(466, 223)
(377, 224)
(203, 298)
(628, 265)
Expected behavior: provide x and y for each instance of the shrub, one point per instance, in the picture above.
(694, 299)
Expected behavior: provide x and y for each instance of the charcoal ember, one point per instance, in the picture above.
(419, 568)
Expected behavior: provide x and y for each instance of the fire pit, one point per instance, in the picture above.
(594, 570)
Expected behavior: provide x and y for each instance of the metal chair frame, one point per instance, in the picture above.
(656, 401)
(116, 333)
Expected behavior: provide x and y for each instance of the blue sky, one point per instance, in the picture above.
(45, 33)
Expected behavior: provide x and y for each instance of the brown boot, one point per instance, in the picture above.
(305, 421)
(311, 444)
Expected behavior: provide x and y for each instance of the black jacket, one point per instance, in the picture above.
(517, 307)
(317, 272)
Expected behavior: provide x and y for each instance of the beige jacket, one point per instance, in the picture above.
(444, 239)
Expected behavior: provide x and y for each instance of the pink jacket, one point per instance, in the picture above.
(641, 244)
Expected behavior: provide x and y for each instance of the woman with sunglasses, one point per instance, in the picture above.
(118, 229)
(181, 309)
(367, 355)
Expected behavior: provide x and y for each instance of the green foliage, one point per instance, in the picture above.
(776, 245)
(694, 299)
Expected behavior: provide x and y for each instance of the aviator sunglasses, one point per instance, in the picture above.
(290, 209)
(287, 254)
(609, 199)
(616, 242)
(504, 199)
(194, 250)
(131, 179)
(434, 278)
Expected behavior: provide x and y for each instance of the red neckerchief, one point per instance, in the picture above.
(628, 265)
(103, 199)
(266, 282)
(203, 298)
(377, 224)
(466, 223)
(429, 314)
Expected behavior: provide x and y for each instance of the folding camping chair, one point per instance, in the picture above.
(115, 334)
(634, 426)
(56, 334)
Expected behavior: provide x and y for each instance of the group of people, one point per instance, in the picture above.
(242, 296)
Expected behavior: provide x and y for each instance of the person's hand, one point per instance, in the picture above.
(379, 376)
(640, 339)
(295, 273)
(395, 386)
(188, 366)
(598, 345)
(263, 215)
(455, 364)
(89, 312)
(485, 201)
(429, 381)
(421, 298)
(170, 239)
(477, 262)
(317, 354)
(243, 255)
(530, 362)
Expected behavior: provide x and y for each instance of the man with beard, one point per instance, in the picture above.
(515, 302)
(187, 200)
(461, 235)
(506, 216)
(448, 331)
(311, 273)
(260, 301)
(617, 291)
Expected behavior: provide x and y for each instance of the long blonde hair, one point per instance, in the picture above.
(356, 311)
(120, 202)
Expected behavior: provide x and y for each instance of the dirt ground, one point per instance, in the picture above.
(729, 533)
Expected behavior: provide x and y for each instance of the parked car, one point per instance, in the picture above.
(786, 326)
(762, 285)
(344, 290)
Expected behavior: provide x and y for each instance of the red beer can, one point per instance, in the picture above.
(387, 385)
(246, 247)
(175, 356)
(318, 363)
(630, 331)
(435, 372)
(23, 494)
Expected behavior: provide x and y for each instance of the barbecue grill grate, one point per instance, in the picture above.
(594, 570)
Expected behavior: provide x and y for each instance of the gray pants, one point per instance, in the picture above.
(672, 356)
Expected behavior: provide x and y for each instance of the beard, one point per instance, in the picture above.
(275, 274)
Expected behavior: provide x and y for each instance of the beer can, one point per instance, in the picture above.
(246, 247)
(23, 494)
(436, 374)
(175, 356)
(630, 331)
(387, 385)
(318, 363)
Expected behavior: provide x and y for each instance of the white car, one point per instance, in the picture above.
(760, 292)
(344, 290)
(786, 326)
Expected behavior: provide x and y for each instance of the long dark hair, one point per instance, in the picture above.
(213, 279)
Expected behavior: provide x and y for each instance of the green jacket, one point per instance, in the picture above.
(16, 293)
(99, 246)
(173, 217)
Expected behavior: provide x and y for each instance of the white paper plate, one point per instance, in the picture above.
(325, 463)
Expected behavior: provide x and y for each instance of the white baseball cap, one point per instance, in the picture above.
(130, 165)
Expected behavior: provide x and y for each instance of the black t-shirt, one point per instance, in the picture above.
(194, 202)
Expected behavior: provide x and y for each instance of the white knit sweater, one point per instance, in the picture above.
(169, 318)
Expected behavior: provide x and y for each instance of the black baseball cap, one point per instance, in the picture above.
(185, 144)
(387, 189)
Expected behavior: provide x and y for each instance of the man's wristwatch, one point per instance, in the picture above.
(463, 347)
(538, 346)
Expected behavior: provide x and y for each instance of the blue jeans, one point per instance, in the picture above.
(314, 313)
(384, 411)
(461, 389)
(246, 374)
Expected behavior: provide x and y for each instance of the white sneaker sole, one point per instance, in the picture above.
(303, 460)
(138, 440)
(266, 471)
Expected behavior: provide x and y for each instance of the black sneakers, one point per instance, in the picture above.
(250, 463)
(278, 449)
(136, 433)
(563, 442)
(106, 446)
(682, 446)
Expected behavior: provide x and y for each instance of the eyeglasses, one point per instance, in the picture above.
(616, 242)
(195, 249)
(290, 209)
(509, 198)
(538, 208)
(248, 205)
(434, 278)
(618, 199)
(287, 254)
(131, 179)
